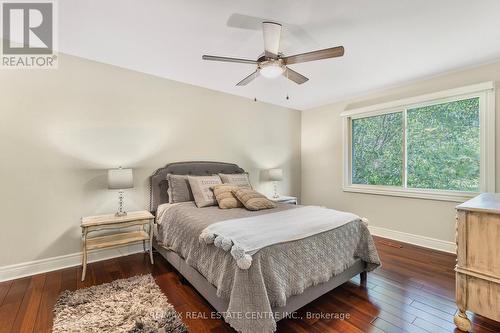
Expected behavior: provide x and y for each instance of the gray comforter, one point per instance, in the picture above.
(277, 272)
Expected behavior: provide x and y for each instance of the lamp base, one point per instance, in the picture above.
(276, 195)
(120, 212)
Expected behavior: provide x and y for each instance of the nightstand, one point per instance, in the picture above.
(111, 222)
(285, 199)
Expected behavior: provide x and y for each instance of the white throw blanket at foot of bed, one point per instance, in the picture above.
(245, 236)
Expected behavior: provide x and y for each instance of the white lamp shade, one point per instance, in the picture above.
(275, 174)
(119, 179)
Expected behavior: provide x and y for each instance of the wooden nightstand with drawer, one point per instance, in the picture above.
(285, 199)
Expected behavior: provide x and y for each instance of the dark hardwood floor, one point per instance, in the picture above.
(412, 292)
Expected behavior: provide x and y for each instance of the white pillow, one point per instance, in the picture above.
(240, 179)
(201, 186)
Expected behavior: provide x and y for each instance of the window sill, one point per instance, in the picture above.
(453, 196)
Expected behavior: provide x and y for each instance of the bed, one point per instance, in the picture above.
(282, 278)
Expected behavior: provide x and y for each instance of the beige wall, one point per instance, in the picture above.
(322, 161)
(60, 129)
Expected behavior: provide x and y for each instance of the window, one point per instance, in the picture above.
(443, 146)
(377, 150)
(438, 146)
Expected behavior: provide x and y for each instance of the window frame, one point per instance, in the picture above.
(484, 91)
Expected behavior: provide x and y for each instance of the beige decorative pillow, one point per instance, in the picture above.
(225, 197)
(235, 179)
(201, 186)
(253, 200)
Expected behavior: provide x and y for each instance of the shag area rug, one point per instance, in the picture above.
(128, 305)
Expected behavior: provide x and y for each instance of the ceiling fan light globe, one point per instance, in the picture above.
(271, 70)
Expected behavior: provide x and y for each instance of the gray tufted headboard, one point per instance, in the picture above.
(158, 181)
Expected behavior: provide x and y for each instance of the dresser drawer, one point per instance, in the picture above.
(483, 296)
(483, 243)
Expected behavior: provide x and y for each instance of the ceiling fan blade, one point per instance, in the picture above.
(227, 59)
(315, 55)
(241, 21)
(294, 76)
(272, 35)
(248, 79)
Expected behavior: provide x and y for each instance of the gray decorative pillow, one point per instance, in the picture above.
(240, 179)
(201, 186)
(179, 189)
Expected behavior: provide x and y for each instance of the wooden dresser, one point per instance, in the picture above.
(478, 259)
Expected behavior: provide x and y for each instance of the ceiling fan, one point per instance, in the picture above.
(273, 63)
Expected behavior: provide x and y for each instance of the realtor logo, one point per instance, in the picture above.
(28, 32)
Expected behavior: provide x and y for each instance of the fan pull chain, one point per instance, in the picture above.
(287, 85)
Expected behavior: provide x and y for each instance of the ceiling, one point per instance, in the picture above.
(387, 42)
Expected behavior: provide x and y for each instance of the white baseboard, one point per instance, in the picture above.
(428, 242)
(51, 264)
(69, 260)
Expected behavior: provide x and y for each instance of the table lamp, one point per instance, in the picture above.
(275, 175)
(120, 179)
